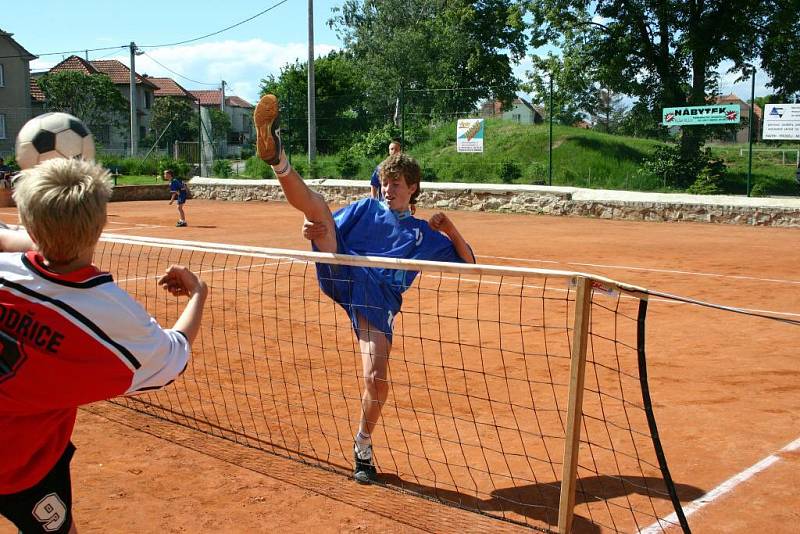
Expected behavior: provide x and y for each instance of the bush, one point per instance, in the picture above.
(508, 171)
(346, 165)
(668, 164)
(429, 174)
(709, 181)
(256, 168)
(222, 168)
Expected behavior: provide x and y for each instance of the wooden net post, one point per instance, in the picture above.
(580, 337)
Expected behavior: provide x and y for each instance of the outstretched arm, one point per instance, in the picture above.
(442, 223)
(179, 281)
(15, 240)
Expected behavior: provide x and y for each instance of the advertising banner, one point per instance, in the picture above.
(696, 115)
(469, 135)
(782, 121)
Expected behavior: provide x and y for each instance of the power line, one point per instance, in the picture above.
(216, 32)
(176, 73)
(86, 50)
(67, 52)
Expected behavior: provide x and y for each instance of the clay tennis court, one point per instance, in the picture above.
(723, 385)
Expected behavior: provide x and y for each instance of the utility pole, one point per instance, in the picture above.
(134, 124)
(550, 137)
(312, 120)
(222, 100)
(750, 120)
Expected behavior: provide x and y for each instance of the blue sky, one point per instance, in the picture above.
(241, 56)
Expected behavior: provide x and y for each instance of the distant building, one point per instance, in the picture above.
(240, 112)
(521, 112)
(169, 87)
(742, 134)
(111, 138)
(15, 94)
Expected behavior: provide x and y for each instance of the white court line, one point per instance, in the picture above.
(648, 269)
(725, 487)
(141, 225)
(138, 227)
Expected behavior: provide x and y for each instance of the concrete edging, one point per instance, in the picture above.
(539, 200)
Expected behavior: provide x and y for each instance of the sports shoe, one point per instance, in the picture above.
(181, 224)
(364, 472)
(267, 118)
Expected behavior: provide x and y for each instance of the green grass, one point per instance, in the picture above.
(581, 158)
(140, 179)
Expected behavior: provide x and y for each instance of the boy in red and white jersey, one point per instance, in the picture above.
(70, 336)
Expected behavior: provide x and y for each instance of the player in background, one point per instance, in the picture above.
(375, 180)
(372, 297)
(70, 336)
(179, 192)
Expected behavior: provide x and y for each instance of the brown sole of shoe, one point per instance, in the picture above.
(264, 118)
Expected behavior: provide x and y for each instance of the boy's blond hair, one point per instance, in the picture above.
(62, 203)
(405, 166)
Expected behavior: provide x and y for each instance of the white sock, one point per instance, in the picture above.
(283, 167)
(363, 441)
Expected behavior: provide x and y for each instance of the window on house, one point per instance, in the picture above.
(2, 126)
(148, 100)
(2, 75)
(142, 132)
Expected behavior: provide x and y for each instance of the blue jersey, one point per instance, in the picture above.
(375, 181)
(177, 186)
(369, 228)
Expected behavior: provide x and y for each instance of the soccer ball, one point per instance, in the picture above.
(53, 135)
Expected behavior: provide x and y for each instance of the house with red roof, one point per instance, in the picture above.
(742, 135)
(15, 97)
(240, 112)
(113, 139)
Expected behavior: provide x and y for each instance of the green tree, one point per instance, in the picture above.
(93, 98)
(663, 53)
(177, 116)
(573, 78)
(780, 55)
(340, 94)
(444, 55)
(220, 124)
(609, 111)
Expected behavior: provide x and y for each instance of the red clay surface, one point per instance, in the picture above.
(724, 385)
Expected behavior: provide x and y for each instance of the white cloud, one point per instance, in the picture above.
(242, 64)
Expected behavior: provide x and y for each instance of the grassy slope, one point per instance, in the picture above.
(581, 158)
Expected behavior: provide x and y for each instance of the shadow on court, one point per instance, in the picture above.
(539, 502)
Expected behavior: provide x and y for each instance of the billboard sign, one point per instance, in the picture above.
(696, 115)
(469, 135)
(782, 121)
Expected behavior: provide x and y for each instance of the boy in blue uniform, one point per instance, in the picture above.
(372, 297)
(179, 192)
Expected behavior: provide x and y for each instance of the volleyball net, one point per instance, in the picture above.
(517, 393)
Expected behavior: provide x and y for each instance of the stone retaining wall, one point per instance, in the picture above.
(122, 193)
(535, 200)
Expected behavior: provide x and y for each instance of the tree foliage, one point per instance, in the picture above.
(445, 55)
(339, 104)
(177, 116)
(662, 53)
(93, 98)
(780, 54)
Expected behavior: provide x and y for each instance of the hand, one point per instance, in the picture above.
(180, 281)
(170, 202)
(441, 222)
(314, 230)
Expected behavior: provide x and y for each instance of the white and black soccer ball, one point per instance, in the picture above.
(53, 135)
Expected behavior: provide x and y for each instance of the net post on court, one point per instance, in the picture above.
(516, 393)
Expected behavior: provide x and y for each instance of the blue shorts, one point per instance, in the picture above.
(358, 290)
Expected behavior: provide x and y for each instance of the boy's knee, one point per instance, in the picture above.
(377, 384)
